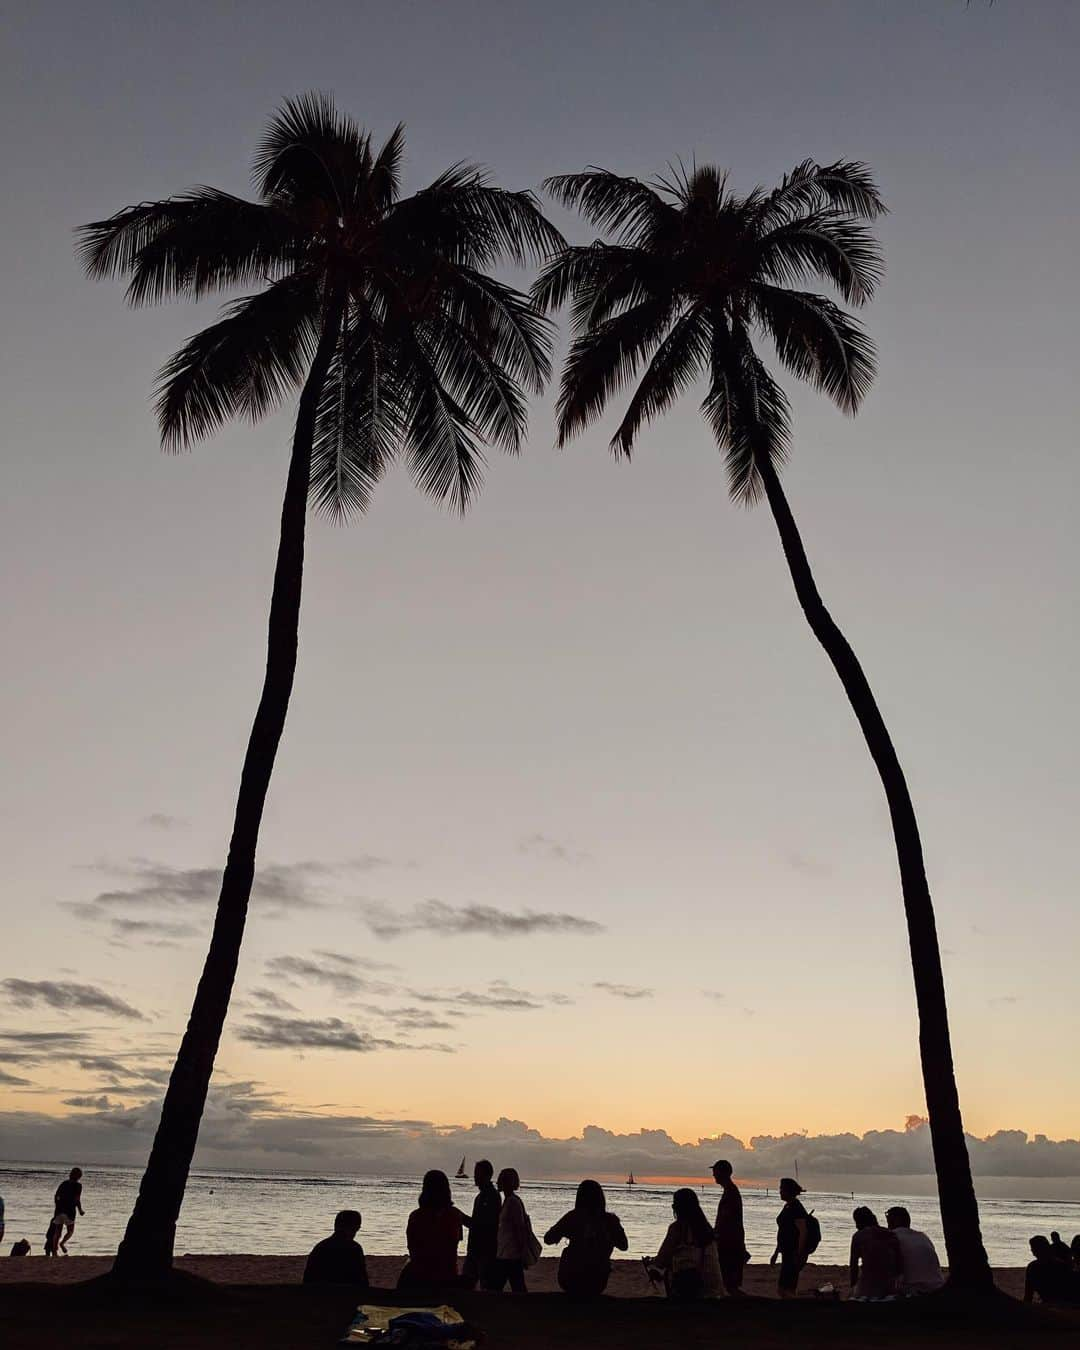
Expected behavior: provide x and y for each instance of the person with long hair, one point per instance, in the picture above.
(687, 1257)
(432, 1236)
(585, 1265)
(516, 1246)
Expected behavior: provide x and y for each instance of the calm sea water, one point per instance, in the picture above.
(261, 1212)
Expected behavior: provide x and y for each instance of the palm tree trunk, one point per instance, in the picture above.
(969, 1268)
(146, 1251)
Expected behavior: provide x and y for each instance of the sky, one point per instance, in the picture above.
(571, 824)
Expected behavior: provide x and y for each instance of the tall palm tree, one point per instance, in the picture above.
(689, 277)
(382, 310)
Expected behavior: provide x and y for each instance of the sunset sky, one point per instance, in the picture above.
(571, 822)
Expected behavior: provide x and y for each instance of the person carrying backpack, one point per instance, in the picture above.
(797, 1235)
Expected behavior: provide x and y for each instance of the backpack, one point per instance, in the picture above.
(813, 1233)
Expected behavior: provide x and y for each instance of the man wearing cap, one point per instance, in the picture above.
(730, 1233)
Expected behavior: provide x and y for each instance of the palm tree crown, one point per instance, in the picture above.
(431, 355)
(692, 273)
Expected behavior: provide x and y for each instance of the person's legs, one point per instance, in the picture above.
(731, 1271)
(69, 1228)
(470, 1271)
(515, 1273)
(493, 1276)
(788, 1284)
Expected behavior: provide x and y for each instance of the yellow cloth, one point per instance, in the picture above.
(378, 1319)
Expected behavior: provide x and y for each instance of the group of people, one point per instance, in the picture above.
(697, 1259)
(67, 1203)
(1054, 1272)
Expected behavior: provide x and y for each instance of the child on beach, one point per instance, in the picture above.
(67, 1202)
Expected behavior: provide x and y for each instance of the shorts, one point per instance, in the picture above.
(60, 1217)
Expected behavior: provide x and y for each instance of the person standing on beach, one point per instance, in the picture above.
(730, 1232)
(484, 1229)
(516, 1246)
(792, 1238)
(67, 1202)
(339, 1259)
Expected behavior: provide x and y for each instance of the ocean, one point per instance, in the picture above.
(281, 1213)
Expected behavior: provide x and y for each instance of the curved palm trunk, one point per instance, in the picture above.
(969, 1268)
(146, 1251)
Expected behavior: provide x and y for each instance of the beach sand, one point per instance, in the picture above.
(257, 1302)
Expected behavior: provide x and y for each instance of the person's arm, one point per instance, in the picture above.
(558, 1231)
(804, 1238)
(1029, 1292)
(410, 1234)
(662, 1259)
(361, 1271)
(618, 1234)
(853, 1273)
(464, 1219)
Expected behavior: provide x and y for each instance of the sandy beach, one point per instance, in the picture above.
(256, 1301)
(628, 1279)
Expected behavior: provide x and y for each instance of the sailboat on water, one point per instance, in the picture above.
(630, 1180)
(461, 1174)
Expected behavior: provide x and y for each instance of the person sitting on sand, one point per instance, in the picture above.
(516, 1246)
(484, 1229)
(67, 1202)
(1059, 1250)
(921, 1267)
(687, 1257)
(876, 1266)
(585, 1265)
(1048, 1277)
(20, 1248)
(1074, 1248)
(792, 1238)
(432, 1236)
(730, 1233)
(339, 1259)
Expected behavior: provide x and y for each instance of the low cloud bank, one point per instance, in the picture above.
(248, 1125)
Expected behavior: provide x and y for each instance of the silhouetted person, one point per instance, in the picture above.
(339, 1259)
(876, 1264)
(1074, 1248)
(1, 1218)
(67, 1202)
(20, 1248)
(921, 1269)
(432, 1236)
(730, 1233)
(687, 1256)
(1050, 1278)
(1060, 1250)
(514, 1248)
(585, 1265)
(484, 1228)
(792, 1238)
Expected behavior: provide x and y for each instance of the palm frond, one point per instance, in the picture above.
(845, 185)
(677, 361)
(603, 360)
(312, 152)
(823, 244)
(631, 209)
(241, 365)
(440, 440)
(818, 342)
(747, 411)
(518, 335)
(359, 425)
(386, 169)
(222, 241)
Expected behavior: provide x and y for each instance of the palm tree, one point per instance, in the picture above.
(688, 277)
(382, 309)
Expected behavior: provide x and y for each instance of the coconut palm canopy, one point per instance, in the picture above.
(433, 355)
(691, 275)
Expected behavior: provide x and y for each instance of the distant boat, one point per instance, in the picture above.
(461, 1174)
(630, 1180)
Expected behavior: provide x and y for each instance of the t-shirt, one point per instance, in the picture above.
(483, 1235)
(336, 1260)
(514, 1228)
(730, 1233)
(878, 1252)
(593, 1237)
(787, 1231)
(921, 1267)
(68, 1195)
(432, 1237)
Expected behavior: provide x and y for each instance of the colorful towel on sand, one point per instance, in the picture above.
(410, 1327)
